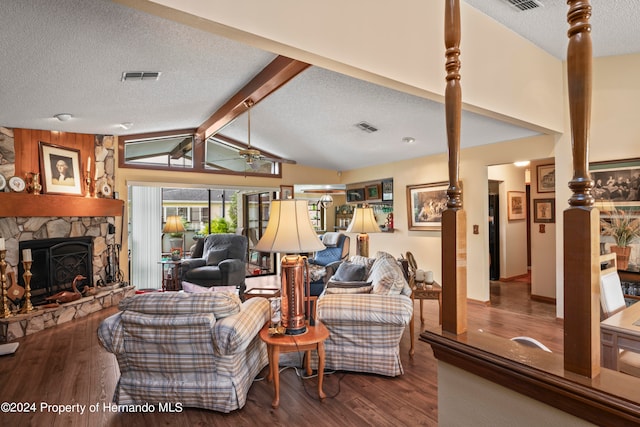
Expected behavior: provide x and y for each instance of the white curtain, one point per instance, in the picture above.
(146, 237)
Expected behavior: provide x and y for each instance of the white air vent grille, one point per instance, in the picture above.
(367, 127)
(523, 5)
(140, 75)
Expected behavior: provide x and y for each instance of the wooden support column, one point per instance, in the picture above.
(454, 224)
(581, 219)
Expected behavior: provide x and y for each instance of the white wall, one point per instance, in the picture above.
(513, 233)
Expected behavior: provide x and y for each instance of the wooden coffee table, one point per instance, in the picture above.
(422, 292)
(313, 339)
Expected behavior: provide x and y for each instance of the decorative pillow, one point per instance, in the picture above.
(386, 275)
(198, 249)
(350, 272)
(341, 290)
(214, 256)
(195, 289)
(361, 260)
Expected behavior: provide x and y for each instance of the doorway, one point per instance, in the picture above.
(494, 230)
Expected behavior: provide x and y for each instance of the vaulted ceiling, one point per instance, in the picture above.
(68, 56)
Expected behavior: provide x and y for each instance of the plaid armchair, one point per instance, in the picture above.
(366, 318)
(202, 350)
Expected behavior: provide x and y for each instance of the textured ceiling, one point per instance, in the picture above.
(67, 56)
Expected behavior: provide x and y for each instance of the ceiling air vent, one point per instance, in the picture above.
(140, 75)
(523, 5)
(364, 126)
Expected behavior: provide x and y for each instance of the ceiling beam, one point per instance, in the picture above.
(267, 81)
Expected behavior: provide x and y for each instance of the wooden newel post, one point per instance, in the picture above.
(454, 224)
(581, 219)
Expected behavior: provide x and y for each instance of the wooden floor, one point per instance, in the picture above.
(66, 366)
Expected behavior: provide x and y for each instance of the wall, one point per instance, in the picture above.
(543, 250)
(513, 233)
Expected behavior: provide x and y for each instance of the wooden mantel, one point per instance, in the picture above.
(27, 205)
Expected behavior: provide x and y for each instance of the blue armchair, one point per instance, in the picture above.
(325, 262)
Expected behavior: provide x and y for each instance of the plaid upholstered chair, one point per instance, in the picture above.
(366, 306)
(202, 350)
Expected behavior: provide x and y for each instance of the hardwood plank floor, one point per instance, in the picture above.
(66, 365)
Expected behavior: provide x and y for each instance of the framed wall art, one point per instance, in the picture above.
(616, 185)
(516, 205)
(286, 192)
(544, 210)
(546, 178)
(61, 170)
(425, 204)
(373, 192)
(387, 190)
(355, 195)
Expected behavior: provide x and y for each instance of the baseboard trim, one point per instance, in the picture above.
(478, 302)
(543, 299)
(512, 278)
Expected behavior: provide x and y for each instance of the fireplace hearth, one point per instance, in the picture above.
(56, 262)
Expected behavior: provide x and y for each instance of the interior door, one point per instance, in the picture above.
(494, 237)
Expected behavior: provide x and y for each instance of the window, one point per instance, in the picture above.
(173, 150)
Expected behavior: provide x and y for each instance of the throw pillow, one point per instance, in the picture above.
(198, 249)
(350, 272)
(214, 256)
(361, 260)
(386, 276)
(195, 289)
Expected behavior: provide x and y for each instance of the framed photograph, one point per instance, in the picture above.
(425, 204)
(387, 190)
(373, 192)
(516, 205)
(61, 170)
(286, 192)
(546, 178)
(616, 185)
(544, 210)
(355, 195)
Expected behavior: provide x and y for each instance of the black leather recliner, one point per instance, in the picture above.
(223, 263)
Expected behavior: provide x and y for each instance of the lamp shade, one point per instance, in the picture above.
(173, 225)
(289, 229)
(363, 221)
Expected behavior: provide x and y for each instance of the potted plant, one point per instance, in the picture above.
(624, 229)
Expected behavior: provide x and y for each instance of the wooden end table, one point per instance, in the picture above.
(171, 276)
(313, 339)
(422, 292)
(262, 292)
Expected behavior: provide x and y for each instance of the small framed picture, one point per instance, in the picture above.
(387, 190)
(355, 195)
(425, 204)
(61, 169)
(544, 210)
(546, 178)
(516, 205)
(372, 192)
(286, 192)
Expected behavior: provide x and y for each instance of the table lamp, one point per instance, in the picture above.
(174, 225)
(363, 222)
(289, 231)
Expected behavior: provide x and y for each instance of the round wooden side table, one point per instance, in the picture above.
(313, 339)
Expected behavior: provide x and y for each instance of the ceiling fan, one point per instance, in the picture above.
(253, 158)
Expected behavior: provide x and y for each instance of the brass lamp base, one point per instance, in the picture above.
(293, 296)
(362, 245)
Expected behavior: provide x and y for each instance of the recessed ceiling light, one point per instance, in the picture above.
(126, 125)
(408, 140)
(63, 117)
(522, 163)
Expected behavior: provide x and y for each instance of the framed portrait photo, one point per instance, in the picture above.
(61, 170)
(286, 192)
(516, 205)
(546, 178)
(544, 210)
(425, 204)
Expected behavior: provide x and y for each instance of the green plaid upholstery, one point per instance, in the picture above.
(175, 349)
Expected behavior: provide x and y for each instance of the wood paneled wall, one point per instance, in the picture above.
(27, 147)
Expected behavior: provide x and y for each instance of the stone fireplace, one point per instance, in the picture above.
(56, 262)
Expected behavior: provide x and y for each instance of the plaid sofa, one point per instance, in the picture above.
(366, 320)
(201, 350)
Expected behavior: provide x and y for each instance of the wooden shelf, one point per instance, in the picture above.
(27, 205)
